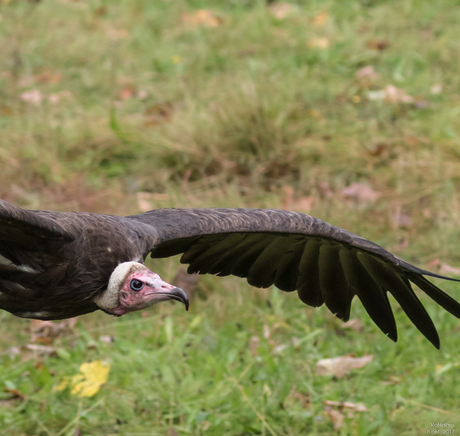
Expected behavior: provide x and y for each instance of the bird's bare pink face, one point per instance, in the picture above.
(142, 289)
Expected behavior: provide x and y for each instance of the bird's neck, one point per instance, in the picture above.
(108, 300)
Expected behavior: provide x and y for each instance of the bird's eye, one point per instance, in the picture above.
(136, 285)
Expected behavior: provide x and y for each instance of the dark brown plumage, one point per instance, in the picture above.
(57, 265)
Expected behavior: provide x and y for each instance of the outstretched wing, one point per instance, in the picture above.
(293, 251)
(30, 254)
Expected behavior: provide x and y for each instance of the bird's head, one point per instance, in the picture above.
(132, 286)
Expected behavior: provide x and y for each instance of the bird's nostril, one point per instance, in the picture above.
(124, 295)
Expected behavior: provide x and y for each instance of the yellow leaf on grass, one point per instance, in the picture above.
(202, 17)
(320, 19)
(93, 376)
(321, 43)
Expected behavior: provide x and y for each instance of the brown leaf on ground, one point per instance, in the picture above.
(57, 96)
(446, 269)
(33, 96)
(377, 44)
(5, 111)
(117, 34)
(46, 332)
(353, 324)
(202, 17)
(379, 149)
(339, 366)
(336, 417)
(401, 220)
(47, 76)
(127, 92)
(254, 343)
(361, 193)
(396, 95)
(320, 19)
(366, 76)
(282, 10)
(107, 339)
(322, 43)
(101, 11)
(347, 405)
(36, 352)
(304, 399)
(288, 202)
(158, 113)
(145, 200)
(325, 190)
(15, 394)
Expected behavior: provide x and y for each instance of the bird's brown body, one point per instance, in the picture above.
(54, 265)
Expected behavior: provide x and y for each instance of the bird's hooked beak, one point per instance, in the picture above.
(164, 291)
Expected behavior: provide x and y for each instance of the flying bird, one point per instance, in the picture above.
(56, 265)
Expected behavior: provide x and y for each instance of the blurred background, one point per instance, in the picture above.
(345, 110)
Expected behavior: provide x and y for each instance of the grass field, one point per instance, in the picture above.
(345, 110)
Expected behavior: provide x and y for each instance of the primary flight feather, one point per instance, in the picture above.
(56, 265)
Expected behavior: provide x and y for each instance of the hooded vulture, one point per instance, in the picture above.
(56, 265)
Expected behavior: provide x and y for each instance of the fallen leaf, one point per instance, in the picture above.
(366, 72)
(101, 11)
(117, 34)
(401, 220)
(15, 394)
(145, 199)
(447, 269)
(107, 339)
(353, 324)
(41, 350)
(336, 417)
(321, 43)
(305, 399)
(320, 19)
(360, 192)
(366, 76)
(356, 407)
(376, 95)
(325, 190)
(127, 92)
(158, 113)
(253, 345)
(86, 384)
(436, 89)
(339, 366)
(202, 17)
(47, 76)
(47, 331)
(377, 44)
(12, 352)
(379, 149)
(282, 10)
(34, 97)
(56, 97)
(5, 111)
(396, 95)
(142, 94)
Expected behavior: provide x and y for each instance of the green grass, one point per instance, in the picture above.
(235, 115)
